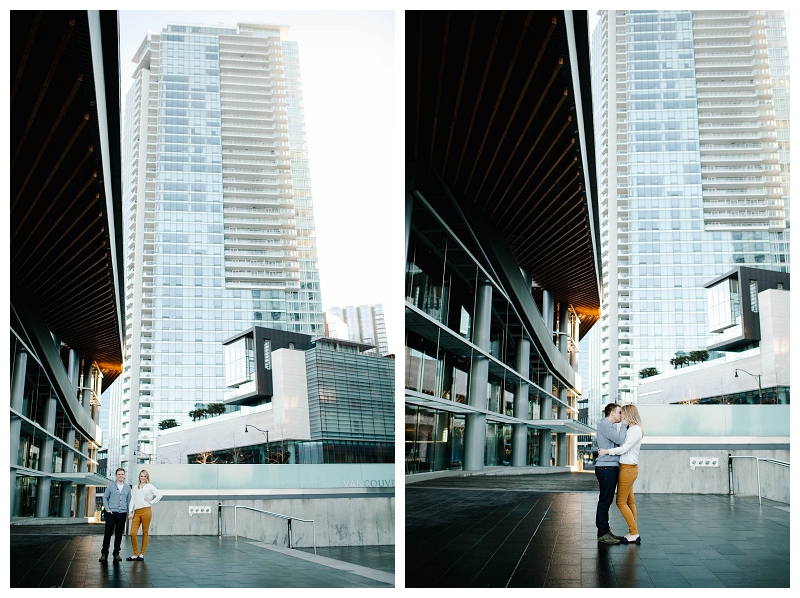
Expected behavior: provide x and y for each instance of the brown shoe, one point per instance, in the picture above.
(103, 557)
(608, 539)
(117, 557)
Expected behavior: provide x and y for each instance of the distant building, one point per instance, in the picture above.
(692, 113)
(293, 399)
(335, 327)
(219, 221)
(749, 319)
(365, 324)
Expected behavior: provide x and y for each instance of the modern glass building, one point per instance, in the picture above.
(219, 225)
(692, 130)
(502, 237)
(65, 255)
(311, 400)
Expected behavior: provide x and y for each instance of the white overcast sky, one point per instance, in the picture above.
(347, 62)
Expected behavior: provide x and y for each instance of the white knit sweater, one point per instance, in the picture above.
(628, 452)
(139, 494)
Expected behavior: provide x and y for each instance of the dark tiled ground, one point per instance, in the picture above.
(380, 558)
(56, 558)
(502, 532)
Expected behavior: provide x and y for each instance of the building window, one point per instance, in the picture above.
(267, 355)
(753, 296)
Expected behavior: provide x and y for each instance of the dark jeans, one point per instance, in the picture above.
(115, 524)
(607, 477)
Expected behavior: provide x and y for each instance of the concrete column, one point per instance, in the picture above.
(546, 402)
(17, 393)
(410, 175)
(80, 506)
(519, 441)
(74, 370)
(46, 460)
(66, 467)
(475, 423)
(545, 412)
(88, 381)
(548, 307)
(561, 438)
(563, 328)
(576, 329)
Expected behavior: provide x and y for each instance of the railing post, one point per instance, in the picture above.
(730, 475)
(758, 476)
(290, 533)
(314, 530)
(219, 519)
(235, 526)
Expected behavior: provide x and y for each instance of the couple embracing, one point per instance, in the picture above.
(616, 468)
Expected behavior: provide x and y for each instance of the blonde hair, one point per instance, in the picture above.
(147, 475)
(631, 413)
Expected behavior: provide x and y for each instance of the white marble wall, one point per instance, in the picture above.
(668, 472)
(338, 521)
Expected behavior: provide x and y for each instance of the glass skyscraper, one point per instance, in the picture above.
(219, 225)
(692, 116)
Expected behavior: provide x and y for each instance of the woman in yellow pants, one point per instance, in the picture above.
(144, 496)
(628, 471)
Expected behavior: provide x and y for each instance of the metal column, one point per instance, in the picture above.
(563, 347)
(46, 460)
(519, 442)
(546, 402)
(475, 424)
(67, 460)
(17, 392)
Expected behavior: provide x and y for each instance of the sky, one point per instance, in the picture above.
(347, 65)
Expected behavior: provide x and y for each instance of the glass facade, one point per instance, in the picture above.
(218, 215)
(443, 279)
(43, 439)
(678, 208)
(350, 395)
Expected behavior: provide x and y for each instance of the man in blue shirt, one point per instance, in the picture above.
(116, 500)
(606, 469)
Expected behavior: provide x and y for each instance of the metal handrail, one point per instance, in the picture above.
(758, 472)
(278, 515)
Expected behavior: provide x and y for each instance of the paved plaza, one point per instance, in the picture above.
(519, 531)
(67, 556)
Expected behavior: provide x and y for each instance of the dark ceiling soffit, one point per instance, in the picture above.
(109, 96)
(506, 270)
(580, 61)
(45, 348)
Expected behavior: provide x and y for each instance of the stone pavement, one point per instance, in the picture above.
(521, 531)
(67, 556)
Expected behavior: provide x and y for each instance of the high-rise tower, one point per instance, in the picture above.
(219, 224)
(692, 113)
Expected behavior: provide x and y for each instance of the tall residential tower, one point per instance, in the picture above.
(219, 224)
(692, 142)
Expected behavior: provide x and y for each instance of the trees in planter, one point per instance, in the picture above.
(647, 372)
(166, 424)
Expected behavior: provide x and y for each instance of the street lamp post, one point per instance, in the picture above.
(758, 379)
(266, 435)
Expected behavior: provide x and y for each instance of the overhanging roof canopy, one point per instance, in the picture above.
(65, 194)
(499, 106)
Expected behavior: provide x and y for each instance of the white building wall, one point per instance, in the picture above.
(285, 418)
(716, 377)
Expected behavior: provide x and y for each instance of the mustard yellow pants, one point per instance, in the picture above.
(625, 500)
(141, 516)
